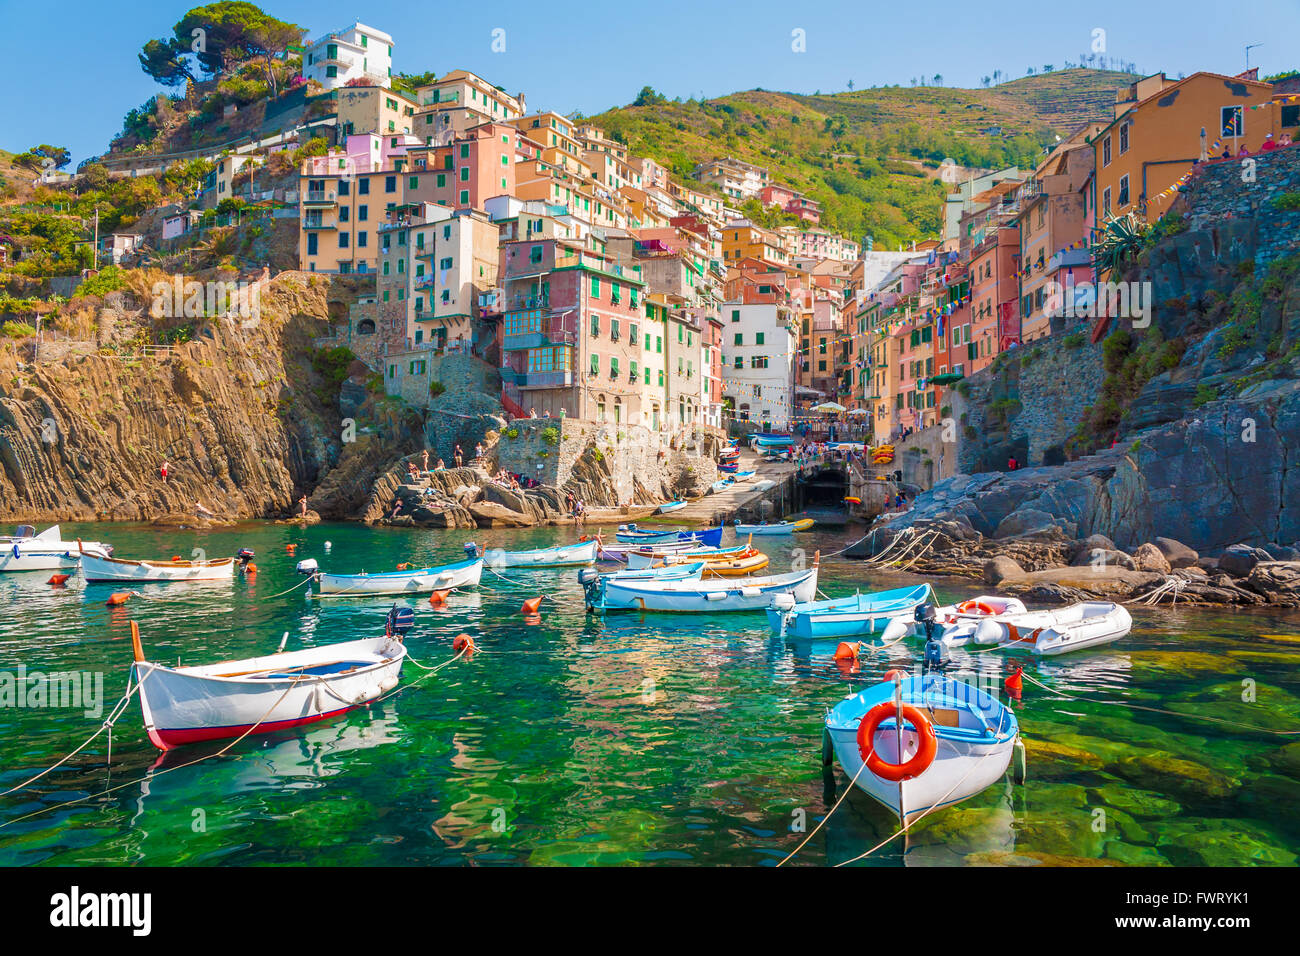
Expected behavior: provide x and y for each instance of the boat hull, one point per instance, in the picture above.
(857, 616)
(190, 705)
(465, 574)
(94, 568)
(703, 597)
(568, 555)
(969, 757)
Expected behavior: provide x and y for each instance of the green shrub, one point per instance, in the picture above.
(1075, 340)
(551, 435)
(1287, 202)
(436, 389)
(17, 330)
(109, 279)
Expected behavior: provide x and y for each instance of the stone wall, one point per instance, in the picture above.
(638, 464)
(1027, 403)
(1218, 194)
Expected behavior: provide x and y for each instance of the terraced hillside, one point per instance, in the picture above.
(869, 156)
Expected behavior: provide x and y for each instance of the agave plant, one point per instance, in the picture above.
(1118, 243)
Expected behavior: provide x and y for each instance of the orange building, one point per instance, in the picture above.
(1156, 136)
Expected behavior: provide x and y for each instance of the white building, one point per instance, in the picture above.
(759, 343)
(357, 52)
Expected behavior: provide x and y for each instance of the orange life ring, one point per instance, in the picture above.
(965, 607)
(925, 751)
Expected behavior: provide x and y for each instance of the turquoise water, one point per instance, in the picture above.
(659, 740)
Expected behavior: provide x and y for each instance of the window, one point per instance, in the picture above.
(464, 151)
(312, 243)
(343, 240)
(821, 365)
(595, 287)
(464, 174)
(390, 184)
(740, 362)
(632, 334)
(739, 338)
(1123, 190)
(535, 255)
(1123, 138)
(613, 329)
(613, 366)
(659, 343)
(1105, 201)
(595, 324)
(735, 315)
(595, 364)
(464, 197)
(1230, 121)
(442, 180)
(1105, 152)
(1291, 115)
(415, 182)
(444, 263)
(363, 187)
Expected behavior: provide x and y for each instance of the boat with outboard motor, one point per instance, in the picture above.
(859, 615)
(953, 742)
(557, 556)
(1058, 631)
(95, 568)
(186, 705)
(776, 527)
(25, 550)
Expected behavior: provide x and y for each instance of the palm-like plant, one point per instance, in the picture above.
(1117, 244)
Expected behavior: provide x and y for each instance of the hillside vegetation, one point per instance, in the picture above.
(870, 156)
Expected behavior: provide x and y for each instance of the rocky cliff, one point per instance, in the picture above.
(244, 422)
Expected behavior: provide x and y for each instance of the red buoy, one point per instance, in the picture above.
(291, 547)
(176, 557)
(119, 597)
(58, 580)
(438, 598)
(250, 568)
(896, 673)
(1014, 685)
(532, 604)
(847, 652)
(463, 642)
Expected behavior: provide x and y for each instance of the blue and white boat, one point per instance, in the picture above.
(558, 556)
(765, 440)
(711, 595)
(678, 572)
(722, 485)
(630, 533)
(670, 506)
(463, 574)
(955, 739)
(743, 475)
(859, 615)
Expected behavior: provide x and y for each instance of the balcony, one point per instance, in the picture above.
(549, 332)
(560, 379)
(318, 197)
(315, 222)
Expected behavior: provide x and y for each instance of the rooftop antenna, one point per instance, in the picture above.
(1248, 49)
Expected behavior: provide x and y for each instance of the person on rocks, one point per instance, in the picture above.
(397, 509)
(479, 451)
(532, 413)
(201, 511)
(1012, 464)
(411, 473)
(459, 456)
(440, 466)
(302, 502)
(163, 471)
(425, 460)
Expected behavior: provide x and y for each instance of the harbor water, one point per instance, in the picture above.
(572, 739)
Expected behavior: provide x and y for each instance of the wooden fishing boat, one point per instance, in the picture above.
(772, 441)
(25, 550)
(619, 550)
(954, 742)
(186, 705)
(97, 568)
(1086, 624)
(648, 558)
(676, 572)
(722, 485)
(464, 574)
(671, 506)
(729, 466)
(778, 527)
(737, 567)
(743, 475)
(559, 556)
(631, 534)
(857, 616)
(706, 596)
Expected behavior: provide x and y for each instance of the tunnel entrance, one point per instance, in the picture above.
(824, 488)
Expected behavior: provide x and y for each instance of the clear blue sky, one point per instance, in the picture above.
(73, 88)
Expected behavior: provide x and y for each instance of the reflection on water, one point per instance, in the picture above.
(575, 739)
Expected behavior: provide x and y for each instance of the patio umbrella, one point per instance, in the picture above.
(859, 411)
(828, 407)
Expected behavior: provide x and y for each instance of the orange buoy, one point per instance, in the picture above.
(847, 652)
(1014, 684)
(58, 580)
(176, 557)
(291, 547)
(463, 642)
(896, 673)
(532, 604)
(250, 568)
(404, 566)
(438, 598)
(119, 597)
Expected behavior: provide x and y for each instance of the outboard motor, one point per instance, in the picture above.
(307, 566)
(590, 578)
(245, 555)
(471, 550)
(400, 620)
(936, 652)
